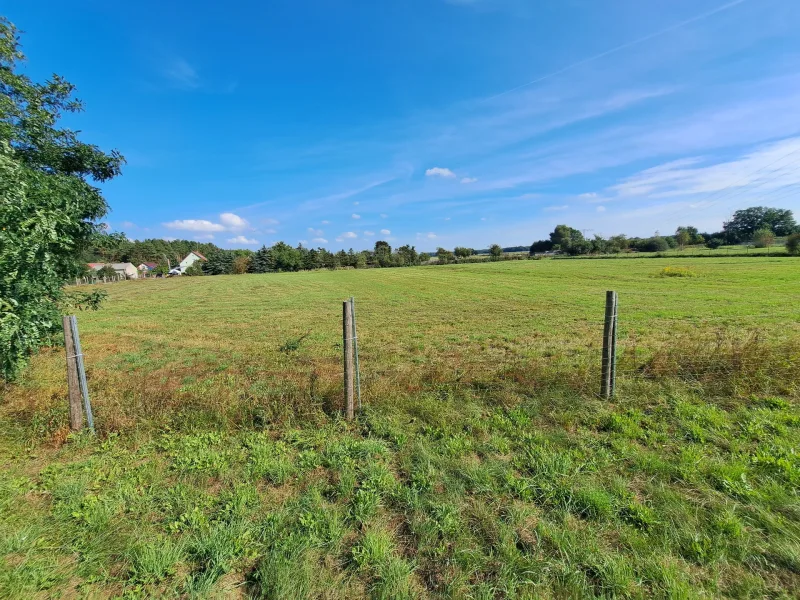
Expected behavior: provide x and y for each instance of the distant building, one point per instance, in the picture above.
(190, 259)
(126, 269)
(147, 267)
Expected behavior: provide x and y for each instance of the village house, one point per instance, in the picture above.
(190, 259)
(126, 269)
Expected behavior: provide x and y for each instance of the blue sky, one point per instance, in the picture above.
(429, 122)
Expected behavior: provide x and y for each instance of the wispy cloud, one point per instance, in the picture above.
(319, 240)
(469, 179)
(355, 216)
(181, 74)
(556, 208)
(385, 232)
(369, 233)
(348, 235)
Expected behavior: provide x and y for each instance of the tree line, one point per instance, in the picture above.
(758, 225)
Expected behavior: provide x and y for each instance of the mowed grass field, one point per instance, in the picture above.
(483, 463)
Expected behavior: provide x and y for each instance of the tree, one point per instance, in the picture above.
(763, 238)
(568, 240)
(541, 246)
(445, 256)
(714, 243)
(746, 222)
(496, 251)
(106, 271)
(49, 205)
(683, 236)
(462, 252)
(793, 244)
(241, 264)
(195, 269)
(408, 254)
(383, 254)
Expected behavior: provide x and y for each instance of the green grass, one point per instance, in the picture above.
(482, 466)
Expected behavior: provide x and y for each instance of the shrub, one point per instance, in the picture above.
(194, 270)
(106, 271)
(793, 244)
(676, 272)
(763, 238)
(714, 243)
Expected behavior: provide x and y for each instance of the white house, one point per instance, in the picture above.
(126, 269)
(190, 259)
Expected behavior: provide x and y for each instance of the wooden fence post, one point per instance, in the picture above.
(347, 342)
(609, 363)
(73, 383)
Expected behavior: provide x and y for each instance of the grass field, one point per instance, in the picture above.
(483, 464)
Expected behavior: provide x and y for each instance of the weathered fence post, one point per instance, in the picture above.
(73, 383)
(347, 340)
(609, 364)
(355, 351)
(76, 341)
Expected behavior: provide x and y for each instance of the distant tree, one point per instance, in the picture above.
(793, 244)
(285, 258)
(763, 238)
(462, 252)
(195, 269)
(746, 222)
(106, 271)
(262, 261)
(424, 257)
(569, 240)
(445, 256)
(241, 264)
(714, 243)
(409, 255)
(541, 246)
(683, 236)
(618, 243)
(496, 251)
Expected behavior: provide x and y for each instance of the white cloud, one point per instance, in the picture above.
(369, 233)
(355, 203)
(228, 222)
(588, 195)
(270, 221)
(240, 239)
(203, 236)
(556, 208)
(469, 179)
(319, 240)
(447, 218)
(233, 222)
(483, 218)
(194, 225)
(439, 172)
(383, 215)
(347, 235)
(315, 232)
(302, 242)
(601, 209)
(355, 216)
(385, 232)
(326, 222)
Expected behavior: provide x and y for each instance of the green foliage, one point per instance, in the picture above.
(106, 271)
(763, 238)
(462, 252)
(714, 243)
(793, 244)
(496, 251)
(195, 269)
(745, 223)
(48, 206)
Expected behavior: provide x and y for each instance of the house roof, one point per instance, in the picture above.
(115, 266)
(198, 254)
(149, 265)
